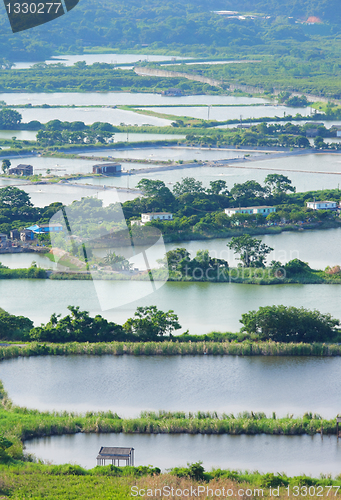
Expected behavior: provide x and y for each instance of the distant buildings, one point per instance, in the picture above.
(29, 233)
(26, 235)
(107, 168)
(4, 242)
(172, 92)
(263, 210)
(156, 215)
(164, 216)
(21, 170)
(45, 228)
(322, 205)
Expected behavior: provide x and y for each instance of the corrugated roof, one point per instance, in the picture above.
(114, 452)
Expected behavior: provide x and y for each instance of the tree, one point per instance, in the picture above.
(296, 266)
(78, 327)
(14, 327)
(187, 185)
(174, 257)
(278, 184)
(5, 165)
(150, 324)
(251, 250)
(150, 187)
(4, 445)
(11, 197)
(302, 142)
(117, 262)
(319, 143)
(9, 119)
(217, 187)
(290, 324)
(247, 190)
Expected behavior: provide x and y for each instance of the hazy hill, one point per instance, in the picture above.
(134, 23)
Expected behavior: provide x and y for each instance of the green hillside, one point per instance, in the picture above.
(135, 24)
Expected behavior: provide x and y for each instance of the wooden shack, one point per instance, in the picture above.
(113, 453)
(107, 168)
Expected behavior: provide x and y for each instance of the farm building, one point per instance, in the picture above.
(107, 168)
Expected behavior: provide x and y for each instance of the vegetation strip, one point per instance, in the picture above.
(19, 424)
(166, 348)
(60, 482)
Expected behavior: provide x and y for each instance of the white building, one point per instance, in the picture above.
(152, 216)
(322, 205)
(156, 215)
(263, 210)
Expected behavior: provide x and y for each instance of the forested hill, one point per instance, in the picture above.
(169, 24)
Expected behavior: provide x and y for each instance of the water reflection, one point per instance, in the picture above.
(128, 385)
(293, 455)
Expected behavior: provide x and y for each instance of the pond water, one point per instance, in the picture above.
(21, 135)
(134, 137)
(287, 246)
(119, 98)
(307, 171)
(117, 116)
(44, 194)
(128, 385)
(90, 115)
(174, 153)
(70, 60)
(24, 260)
(293, 455)
(230, 112)
(201, 307)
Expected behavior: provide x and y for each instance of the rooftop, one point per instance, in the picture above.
(114, 452)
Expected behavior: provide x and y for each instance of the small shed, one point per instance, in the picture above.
(113, 453)
(107, 168)
(14, 234)
(26, 235)
(21, 169)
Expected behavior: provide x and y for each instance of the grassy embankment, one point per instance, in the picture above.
(19, 424)
(247, 276)
(61, 482)
(22, 479)
(216, 344)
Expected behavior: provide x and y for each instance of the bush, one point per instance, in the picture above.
(290, 324)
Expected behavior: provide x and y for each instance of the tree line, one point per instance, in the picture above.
(273, 323)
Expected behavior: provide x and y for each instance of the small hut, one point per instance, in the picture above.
(114, 453)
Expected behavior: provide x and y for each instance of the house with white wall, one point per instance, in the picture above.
(262, 210)
(322, 205)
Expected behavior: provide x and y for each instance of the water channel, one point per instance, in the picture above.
(287, 245)
(120, 98)
(201, 307)
(131, 384)
(294, 455)
(128, 385)
(307, 171)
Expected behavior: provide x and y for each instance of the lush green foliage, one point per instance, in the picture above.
(17, 212)
(149, 324)
(290, 324)
(82, 78)
(251, 250)
(238, 347)
(286, 135)
(9, 119)
(12, 327)
(77, 327)
(201, 268)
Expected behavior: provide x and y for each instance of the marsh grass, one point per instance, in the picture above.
(64, 482)
(174, 347)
